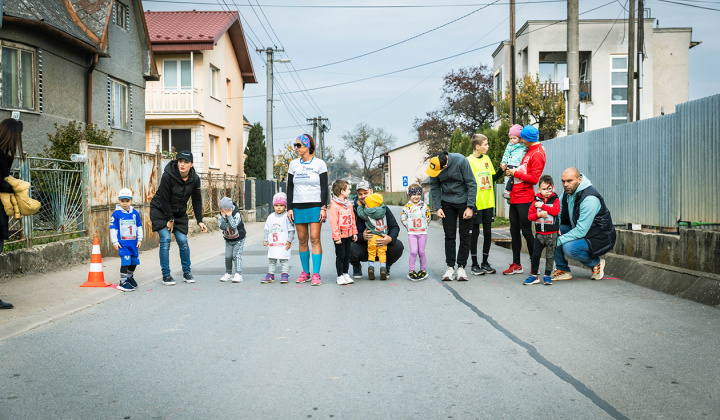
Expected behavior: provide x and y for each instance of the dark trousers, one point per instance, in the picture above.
(487, 240)
(453, 214)
(548, 243)
(359, 252)
(342, 256)
(519, 222)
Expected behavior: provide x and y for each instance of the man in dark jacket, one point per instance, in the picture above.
(168, 212)
(358, 250)
(454, 190)
(586, 228)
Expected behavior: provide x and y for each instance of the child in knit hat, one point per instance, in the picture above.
(514, 152)
(233, 229)
(278, 235)
(374, 214)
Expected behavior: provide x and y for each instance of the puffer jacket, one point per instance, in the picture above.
(170, 200)
(18, 203)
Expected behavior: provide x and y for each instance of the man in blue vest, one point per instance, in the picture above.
(586, 228)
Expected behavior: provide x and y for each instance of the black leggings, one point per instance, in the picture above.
(519, 222)
(342, 256)
(487, 239)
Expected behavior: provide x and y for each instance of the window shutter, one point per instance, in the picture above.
(130, 105)
(109, 102)
(40, 81)
(127, 18)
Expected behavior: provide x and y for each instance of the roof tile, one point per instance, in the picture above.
(192, 26)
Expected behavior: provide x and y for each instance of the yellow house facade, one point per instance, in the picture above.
(197, 104)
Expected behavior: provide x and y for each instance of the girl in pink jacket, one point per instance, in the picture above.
(342, 224)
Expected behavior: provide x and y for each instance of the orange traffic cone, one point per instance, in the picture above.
(96, 277)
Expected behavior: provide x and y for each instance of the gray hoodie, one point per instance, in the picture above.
(454, 184)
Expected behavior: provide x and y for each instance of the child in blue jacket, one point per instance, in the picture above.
(126, 234)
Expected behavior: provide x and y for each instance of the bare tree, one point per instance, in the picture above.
(370, 144)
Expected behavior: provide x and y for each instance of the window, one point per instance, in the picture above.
(214, 80)
(119, 105)
(177, 75)
(213, 150)
(618, 89)
(121, 15)
(18, 76)
(228, 91)
(554, 71)
(176, 140)
(498, 88)
(229, 153)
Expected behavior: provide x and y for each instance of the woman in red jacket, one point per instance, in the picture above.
(523, 193)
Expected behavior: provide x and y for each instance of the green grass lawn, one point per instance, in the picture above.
(501, 222)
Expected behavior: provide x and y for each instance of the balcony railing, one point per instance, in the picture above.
(552, 88)
(161, 101)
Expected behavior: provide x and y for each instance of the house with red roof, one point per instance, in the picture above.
(197, 104)
(75, 60)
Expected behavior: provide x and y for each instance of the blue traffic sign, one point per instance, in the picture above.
(405, 181)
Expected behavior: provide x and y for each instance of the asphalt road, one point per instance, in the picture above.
(395, 349)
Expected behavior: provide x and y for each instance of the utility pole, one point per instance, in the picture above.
(318, 135)
(512, 63)
(314, 132)
(270, 151)
(573, 66)
(641, 57)
(631, 62)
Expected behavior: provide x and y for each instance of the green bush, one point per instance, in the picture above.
(66, 139)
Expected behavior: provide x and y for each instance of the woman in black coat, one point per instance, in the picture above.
(10, 146)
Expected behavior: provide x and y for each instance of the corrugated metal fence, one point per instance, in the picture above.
(657, 171)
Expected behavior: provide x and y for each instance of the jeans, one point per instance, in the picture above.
(578, 250)
(548, 243)
(519, 222)
(453, 213)
(183, 246)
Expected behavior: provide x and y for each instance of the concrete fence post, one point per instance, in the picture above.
(253, 188)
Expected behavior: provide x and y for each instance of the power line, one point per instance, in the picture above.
(403, 41)
(378, 6)
(689, 5)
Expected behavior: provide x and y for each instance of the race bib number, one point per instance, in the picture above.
(128, 231)
(345, 219)
(484, 182)
(380, 224)
(416, 222)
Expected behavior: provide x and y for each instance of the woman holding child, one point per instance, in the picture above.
(307, 197)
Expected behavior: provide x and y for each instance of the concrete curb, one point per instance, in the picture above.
(681, 282)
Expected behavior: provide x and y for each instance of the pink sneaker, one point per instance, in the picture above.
(303, 277)
(316, 280)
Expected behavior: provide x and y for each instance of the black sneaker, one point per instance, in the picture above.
(168, 281)
(486, 268)
(125, 287)
(371, 273)
(188, 278)
(132, 282)
(383, 273)
(476, 270)
(412, 275)
(357, 271)
(5, 305)
(421, 275)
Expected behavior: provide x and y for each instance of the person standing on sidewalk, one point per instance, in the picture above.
(10, 146)
(523, 194)
(485, 177)
(586, 228)
(454, 191)
(307, 198)
(168, 212)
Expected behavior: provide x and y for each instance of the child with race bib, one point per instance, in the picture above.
(126, 235)
(374, 215)
(233, 230)
(415, 217)
(279, 234)
(344, 229)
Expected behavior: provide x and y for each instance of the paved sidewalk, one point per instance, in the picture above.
(43, 298)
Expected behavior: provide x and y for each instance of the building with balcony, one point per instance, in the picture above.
(664, 75)
(75, 60)
(197, 104)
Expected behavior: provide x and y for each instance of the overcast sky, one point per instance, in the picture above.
(316, 36)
